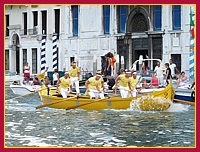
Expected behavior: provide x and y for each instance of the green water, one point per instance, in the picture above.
(26, 126)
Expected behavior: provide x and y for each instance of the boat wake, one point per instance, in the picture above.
(178, 107)
(157, 104)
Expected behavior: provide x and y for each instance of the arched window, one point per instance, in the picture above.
(139, 23)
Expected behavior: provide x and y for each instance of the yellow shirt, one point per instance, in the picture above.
(64, 83)
(124, 80)
(73, 72)
(102, 81)
(94, 83)
(133, 82)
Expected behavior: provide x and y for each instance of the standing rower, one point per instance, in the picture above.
(134, 82)
(74, 74)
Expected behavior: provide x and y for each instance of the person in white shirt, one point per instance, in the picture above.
(159, 73)
(173, 68)
(55, 77)
(27, 71)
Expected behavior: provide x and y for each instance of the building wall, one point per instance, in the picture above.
(91, 42)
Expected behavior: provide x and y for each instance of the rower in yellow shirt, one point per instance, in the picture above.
(93, 86)
(124, 84)
(74, 74)
(101, 85)
(64, 85)
(134, 82)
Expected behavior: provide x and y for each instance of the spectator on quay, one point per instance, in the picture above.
(26, 71)
(182, 80)
(159, 74)
(107, 69)
(154, 81)
(168, 73)
(113, 60)
(55, 77)
(173, 68)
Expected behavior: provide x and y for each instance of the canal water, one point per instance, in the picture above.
(27, 127)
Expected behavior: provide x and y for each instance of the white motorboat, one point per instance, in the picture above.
(21, 89)
(184, 92)
(10, 77)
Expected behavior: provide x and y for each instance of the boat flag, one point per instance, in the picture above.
(43, 53)
(192, 37)
(55, 60)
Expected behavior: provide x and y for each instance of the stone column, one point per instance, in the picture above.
(150, 52)
(21, 61)
(130, 53)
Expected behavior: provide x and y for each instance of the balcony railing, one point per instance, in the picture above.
(33, 31)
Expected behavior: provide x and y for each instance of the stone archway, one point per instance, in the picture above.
(137, 25)
(138, 21)
(15, 55)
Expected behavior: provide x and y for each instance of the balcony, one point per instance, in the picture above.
(24, 32)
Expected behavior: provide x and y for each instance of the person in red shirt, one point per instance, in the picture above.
(154, 80)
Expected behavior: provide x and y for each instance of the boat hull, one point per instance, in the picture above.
(183, 93)
(23, 89)
(111, 103)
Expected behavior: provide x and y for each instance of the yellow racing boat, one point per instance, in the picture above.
(154, 99)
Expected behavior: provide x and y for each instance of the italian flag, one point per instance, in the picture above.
(192, 23)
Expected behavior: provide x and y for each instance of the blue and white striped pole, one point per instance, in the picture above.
(191, 66)
(55, 60)
(191, 62)
(43, 52)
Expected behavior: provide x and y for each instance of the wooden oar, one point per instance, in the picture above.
(74, 107)
(186, 102)
(52, 103)
(28, 94)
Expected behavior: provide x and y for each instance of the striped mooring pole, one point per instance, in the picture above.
(43, 53)
(55, 60)
(191, 61)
